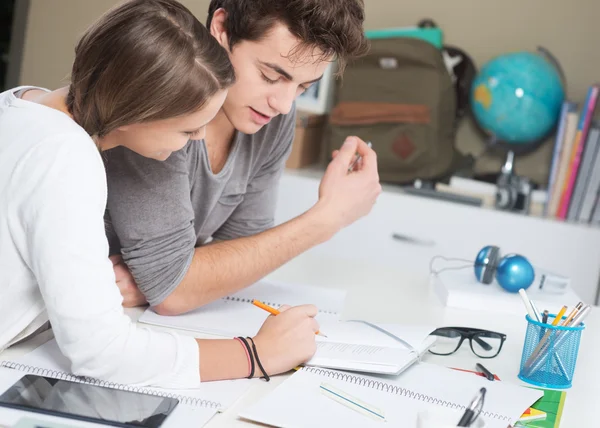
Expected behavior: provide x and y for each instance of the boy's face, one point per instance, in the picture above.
(268, 78)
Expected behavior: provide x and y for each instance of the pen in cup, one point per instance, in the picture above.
(358, 157)
(274, 311)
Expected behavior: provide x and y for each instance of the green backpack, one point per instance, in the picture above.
(401, 98)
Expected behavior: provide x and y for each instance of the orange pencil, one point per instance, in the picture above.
(274, 311)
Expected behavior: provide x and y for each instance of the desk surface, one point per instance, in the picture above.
(386, 294)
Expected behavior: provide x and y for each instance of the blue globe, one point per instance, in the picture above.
(517, 97)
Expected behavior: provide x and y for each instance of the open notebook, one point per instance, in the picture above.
(371, 348)
(196, 406)
(356, 346)
(235, 315)
(298, 401)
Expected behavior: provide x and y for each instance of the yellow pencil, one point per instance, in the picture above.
(274, 311)
(559, 316)
(574, 312)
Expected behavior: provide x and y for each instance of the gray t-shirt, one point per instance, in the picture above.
(158, 212)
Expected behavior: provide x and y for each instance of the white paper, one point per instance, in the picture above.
(422, 387)
(237, 316)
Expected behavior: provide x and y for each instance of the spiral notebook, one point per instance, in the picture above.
(355, 346)
(298, 402)
(235, 315)
(366, 347)
(196, 406)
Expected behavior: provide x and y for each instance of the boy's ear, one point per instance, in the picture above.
(217, 27)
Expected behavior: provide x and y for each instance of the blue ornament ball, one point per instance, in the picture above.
(515, 272)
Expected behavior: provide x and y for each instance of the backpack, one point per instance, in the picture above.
(402, 99)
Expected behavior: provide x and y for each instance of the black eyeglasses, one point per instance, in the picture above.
(484, 343)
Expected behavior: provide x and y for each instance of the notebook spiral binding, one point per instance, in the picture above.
(276, 305)
(393, 389)
(191, 401)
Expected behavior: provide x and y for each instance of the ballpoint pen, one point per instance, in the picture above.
(485, 371)
(274, 311)
(470, 412)
(358, 157)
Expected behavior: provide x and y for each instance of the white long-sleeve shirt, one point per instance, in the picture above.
(54, 255)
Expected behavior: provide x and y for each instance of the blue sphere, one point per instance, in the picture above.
(515, 272)
(517, 97)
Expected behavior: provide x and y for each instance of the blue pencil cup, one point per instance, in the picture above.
(549, 354)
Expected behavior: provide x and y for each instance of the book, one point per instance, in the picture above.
(349, 345)
(196, 406)
(460, 289)
(567, 107)
(577, 150)
(298, 401)
(563, 163)
(593, 185)
(551, 404)
(585, 172)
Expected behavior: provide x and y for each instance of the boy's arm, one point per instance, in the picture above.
(228, 266)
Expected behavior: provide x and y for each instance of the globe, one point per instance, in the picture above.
(516, 98)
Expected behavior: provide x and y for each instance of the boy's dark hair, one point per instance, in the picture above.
(333, 26)
(144, 60)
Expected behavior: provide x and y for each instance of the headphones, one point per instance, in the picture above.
(512, 271)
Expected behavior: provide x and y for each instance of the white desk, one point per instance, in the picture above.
(388, 281)
(379, 293)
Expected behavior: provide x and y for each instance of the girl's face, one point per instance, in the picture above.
(158, 139)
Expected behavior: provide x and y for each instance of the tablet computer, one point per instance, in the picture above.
(87, 402)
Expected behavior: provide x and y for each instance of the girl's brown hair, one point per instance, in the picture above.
(144, 60)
